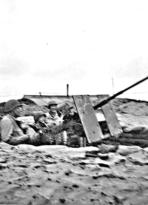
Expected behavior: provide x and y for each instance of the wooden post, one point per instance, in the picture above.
(67, 89)
(88, 118)
(111, 120)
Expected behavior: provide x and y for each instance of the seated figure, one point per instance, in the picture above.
(11, 131)
(53, 116)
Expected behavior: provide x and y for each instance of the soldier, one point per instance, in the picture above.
(40, 121)
(11, 132)
(55, 123)
(75, 132)
(53, 116)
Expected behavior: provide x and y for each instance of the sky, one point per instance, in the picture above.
(95, 46)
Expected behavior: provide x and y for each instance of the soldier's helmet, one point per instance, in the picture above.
(51, 103)
(38, 116)
(11, 105)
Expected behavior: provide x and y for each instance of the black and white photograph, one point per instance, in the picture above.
(73, 102)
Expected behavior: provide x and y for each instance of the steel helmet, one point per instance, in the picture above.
(11, 105)
(51, 103)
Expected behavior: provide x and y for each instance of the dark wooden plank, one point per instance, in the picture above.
(112, 120)
(88, 118)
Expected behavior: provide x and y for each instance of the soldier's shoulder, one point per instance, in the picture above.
(6, 118)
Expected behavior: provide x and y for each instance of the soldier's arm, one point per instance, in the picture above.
(7, 133)
(6, 129)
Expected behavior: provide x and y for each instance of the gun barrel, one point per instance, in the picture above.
(103, 102)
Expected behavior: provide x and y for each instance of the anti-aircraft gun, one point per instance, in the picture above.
(89, 120)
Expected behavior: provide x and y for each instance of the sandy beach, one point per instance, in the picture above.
(60, 175)
(101, 174)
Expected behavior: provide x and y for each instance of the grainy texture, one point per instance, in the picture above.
(107, 174)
